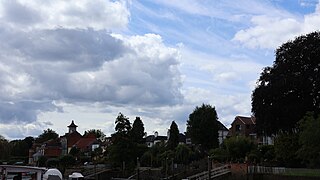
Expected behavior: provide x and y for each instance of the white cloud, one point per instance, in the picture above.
(86, 66)
(270, 31)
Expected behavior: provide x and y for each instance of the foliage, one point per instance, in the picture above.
(97, 132)
(309, 140)
(52, 163)
(67, 160)
(74, 151)
(19, 148)
(152, 157)
(267, 152)
(47, 135)
(173, 136)
(183, 154)
(219, 154)
(202, 127)
(42, 161)
(122, 124)
(290, 87)
(4, 148)
(286, 146)
(137, 131)
(123, 148)
(238, 147)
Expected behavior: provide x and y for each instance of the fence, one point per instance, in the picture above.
(266, 170)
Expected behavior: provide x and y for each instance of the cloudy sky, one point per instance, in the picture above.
(89, 60)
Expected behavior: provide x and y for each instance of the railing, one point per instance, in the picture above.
(265, 170)
(216, 172)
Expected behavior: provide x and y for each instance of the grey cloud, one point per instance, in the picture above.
(73, 49)
(24, 111)
(83, 66)
(18, 13)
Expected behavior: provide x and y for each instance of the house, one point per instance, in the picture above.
(244, 126)
(70, 138)
(63, 145)
(152, 140)
(49, 149)
(87, 144)
(222, 132)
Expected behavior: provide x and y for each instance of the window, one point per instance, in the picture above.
(238, 127)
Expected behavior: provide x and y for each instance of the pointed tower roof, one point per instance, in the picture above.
(72, 125)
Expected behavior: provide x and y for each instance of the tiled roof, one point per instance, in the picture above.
(222, 127)
(247, 120)
(84, 143)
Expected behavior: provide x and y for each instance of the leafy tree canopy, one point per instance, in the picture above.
(202, 126)
(47, 135)
(122, 124)
(173, 136)
(290, 87)
(97, 132)
(137, 131)
(309, 140)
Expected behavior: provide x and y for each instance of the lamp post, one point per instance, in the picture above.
(209, 168)
(138, 165)
(166, 168)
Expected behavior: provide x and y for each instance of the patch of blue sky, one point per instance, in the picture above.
(298, 7)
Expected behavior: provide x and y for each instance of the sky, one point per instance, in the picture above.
(89, 60)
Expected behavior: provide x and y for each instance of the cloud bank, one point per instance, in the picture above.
(62, 51)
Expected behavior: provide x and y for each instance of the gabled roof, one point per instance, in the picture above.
(182, 138)
(221, 127)
(245, 120)
(152, 138)
(84, 143)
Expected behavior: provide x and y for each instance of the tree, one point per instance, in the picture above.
(238, 147)
(173, 140)
(286, 146)
(183, 153)
(19, 148)
(97, 132)
(121, 149)
(47, 135)
(137, 131)
(290, 87)
(309, 140)
(202, 127)
(4, 148)
(122, 124)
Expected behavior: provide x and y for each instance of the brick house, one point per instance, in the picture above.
(244, 126)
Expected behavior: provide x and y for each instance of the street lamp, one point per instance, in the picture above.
(209, 168)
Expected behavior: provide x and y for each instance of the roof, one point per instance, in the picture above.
(84, 143)
(222, 127)
(182, 137)
(72, 124)
(246, 120)
(152, 138)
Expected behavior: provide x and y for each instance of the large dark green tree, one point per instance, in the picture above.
(137, 131)
(121, 149)
(173, 140)
(97, 132)
(47, 135)
(4, 148)
(309, 140)
(202, 127)
(290, 87)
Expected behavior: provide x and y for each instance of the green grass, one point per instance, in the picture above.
(302, 172)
